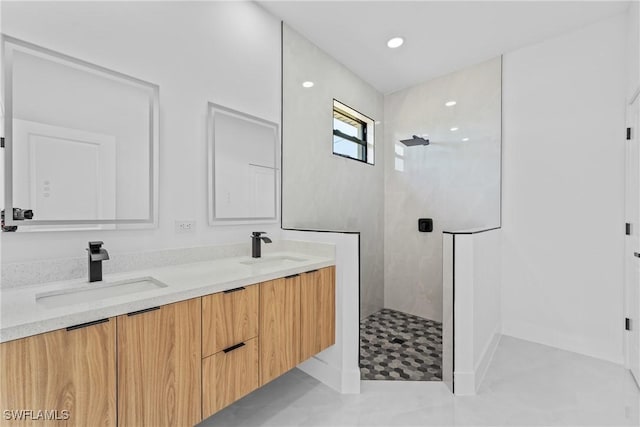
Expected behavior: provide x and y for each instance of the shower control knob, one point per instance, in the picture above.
(425, 225)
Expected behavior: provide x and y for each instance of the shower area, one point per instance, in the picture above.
(442, 142)
(432, 165)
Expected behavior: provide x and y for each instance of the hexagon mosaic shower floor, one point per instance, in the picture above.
(400, 346)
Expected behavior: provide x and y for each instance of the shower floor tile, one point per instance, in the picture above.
(400, 346)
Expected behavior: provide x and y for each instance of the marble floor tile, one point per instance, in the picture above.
(527, 384)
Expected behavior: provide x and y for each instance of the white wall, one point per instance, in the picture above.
(448, 282)
(321, 190)
(633, 50)
(471, 265)
(224, 52)
(487, 264)
(454, 182)
(631, 204)
(563, 190)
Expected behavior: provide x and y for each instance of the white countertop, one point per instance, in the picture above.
(21, 315)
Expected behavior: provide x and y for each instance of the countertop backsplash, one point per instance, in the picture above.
(29, 273)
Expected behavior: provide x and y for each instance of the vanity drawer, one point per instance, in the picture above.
(229, 318)
(228, 376)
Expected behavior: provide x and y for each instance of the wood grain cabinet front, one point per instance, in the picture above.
(229, 375)
(159, 364)
(317, 311)
(279, 327)
(229, 318)
(170, 365)
(61, 378)
(297, 320)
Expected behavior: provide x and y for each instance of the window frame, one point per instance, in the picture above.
(366, 143)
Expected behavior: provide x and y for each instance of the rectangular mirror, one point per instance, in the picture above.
(81, 142)
(243, 167)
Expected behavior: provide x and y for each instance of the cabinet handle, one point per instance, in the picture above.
(84, 325)
(228, 291)
(292, 276)
(311, 271)
(146, 310)
(233, 347)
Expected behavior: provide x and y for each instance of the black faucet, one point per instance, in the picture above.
(96, 256)
(255, 243)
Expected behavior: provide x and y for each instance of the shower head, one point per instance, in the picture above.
(415, 140)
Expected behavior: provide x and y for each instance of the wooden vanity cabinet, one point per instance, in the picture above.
(229, 375)
(317, 311)
(159, 363)
(68, 374)
(297, 320)
(171, 365)
(279, 327)
(230, 365)
(229, 318)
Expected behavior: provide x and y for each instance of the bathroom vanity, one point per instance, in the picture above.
(169, 356)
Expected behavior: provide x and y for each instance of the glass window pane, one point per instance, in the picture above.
(346, 128)
(348, 148)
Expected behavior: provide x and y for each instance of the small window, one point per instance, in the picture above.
(352, 134)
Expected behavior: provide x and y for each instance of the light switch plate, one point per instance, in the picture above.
(185, 226)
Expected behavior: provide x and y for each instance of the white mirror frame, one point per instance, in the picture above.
(212, 109)
(11, 44)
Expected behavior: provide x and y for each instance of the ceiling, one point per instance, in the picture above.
(440, 36)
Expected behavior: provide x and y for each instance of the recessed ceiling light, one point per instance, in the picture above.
(453, 129)
(395, 42)
(465, 139)
(450, 103)
(307, 84)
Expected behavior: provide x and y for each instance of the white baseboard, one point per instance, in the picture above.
(341, 381)
(485, 360)
(528, 332)
(351, 381)
(464, 383)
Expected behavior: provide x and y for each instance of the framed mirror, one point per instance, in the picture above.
(243, 167)
(81, 142)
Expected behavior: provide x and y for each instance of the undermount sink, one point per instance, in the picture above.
(97, 291)
(272, 260)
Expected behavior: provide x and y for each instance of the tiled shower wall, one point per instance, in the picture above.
(454, 182)
(319, 189)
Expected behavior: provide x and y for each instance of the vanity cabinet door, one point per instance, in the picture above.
(279, 327)
(317, 311)
(229, 375)
(68, 374)
(159, 363)
(229, 318)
